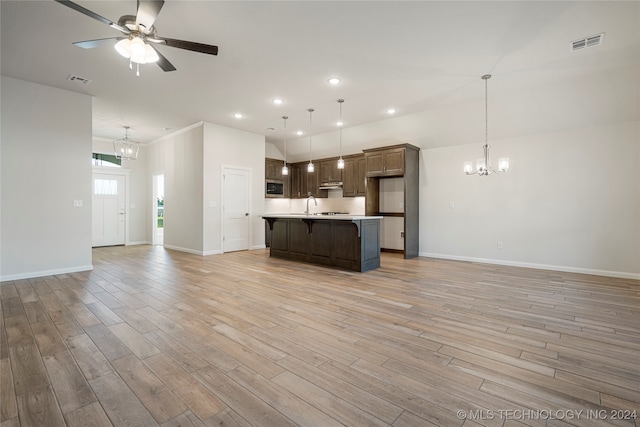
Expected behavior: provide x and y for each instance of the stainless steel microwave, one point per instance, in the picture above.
(274, 188)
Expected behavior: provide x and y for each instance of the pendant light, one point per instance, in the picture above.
(310, 167)
(285, 169)
(340, 123)
(483, 165)
(125, 148)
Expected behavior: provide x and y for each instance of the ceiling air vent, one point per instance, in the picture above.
(586, 42)
(78, 79)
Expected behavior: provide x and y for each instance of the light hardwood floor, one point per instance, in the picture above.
(152, 336)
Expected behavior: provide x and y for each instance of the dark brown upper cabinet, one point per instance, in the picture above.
(329, 171)
(385, 161)
(353, 176)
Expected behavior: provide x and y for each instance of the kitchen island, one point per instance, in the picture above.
(345, 241)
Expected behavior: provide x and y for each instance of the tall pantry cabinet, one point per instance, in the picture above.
(400, 163)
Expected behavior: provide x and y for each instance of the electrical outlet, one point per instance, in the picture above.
(500, 246)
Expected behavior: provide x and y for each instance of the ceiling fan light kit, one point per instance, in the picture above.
(483, 165)
(137, 50)
(139, 33)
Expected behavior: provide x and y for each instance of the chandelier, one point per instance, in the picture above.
(483, 165)
(125, 148)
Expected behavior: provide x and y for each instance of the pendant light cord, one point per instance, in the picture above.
(310, 110)
(284, 118)
(340, 101)
(486, 107)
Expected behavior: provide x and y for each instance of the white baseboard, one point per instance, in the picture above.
(142, 242)
(204, 253)
(252, 248)
(607, 273)
(178, 248)
(43, 273)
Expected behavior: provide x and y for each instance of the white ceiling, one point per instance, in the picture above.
(412, 56)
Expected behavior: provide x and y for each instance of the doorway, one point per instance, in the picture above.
(158, 209)
(108, 220)
(236, 196)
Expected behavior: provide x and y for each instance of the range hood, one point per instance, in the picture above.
(331, 185)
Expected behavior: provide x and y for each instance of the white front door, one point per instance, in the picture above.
(108, 210)
(235, 209)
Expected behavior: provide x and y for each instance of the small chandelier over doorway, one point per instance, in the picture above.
(125, 148)
(483, 165)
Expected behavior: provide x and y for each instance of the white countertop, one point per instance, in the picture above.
(337, 217)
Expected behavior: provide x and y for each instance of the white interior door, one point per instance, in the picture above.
(108, 210)
(235, 209)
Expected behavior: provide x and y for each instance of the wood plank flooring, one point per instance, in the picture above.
(158, 337)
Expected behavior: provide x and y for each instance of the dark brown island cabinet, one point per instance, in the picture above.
(342, 241)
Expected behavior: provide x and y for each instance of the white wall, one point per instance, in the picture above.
(230, 147)
(192, 160)
(272, 152)
(571, 201)
(46, 152)
(180, 157)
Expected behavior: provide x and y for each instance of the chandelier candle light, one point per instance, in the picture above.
(310, 167)
(285, 169)
(483, 166)
(126, 148)
(340, 123)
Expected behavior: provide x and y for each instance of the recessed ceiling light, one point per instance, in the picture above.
(271, 129)
(334, 81)
(299, 133)
(277, 101)
(339, 123)
(391, 111)
(237, 115)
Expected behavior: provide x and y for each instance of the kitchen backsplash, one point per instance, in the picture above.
(334, 203)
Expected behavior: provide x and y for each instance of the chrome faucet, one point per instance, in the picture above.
(314, 201)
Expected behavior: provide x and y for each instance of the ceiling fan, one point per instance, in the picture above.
(139, 36)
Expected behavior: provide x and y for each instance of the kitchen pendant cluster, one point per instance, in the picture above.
(311, 166)
(483, 165)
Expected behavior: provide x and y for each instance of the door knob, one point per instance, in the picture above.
(246, 214)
